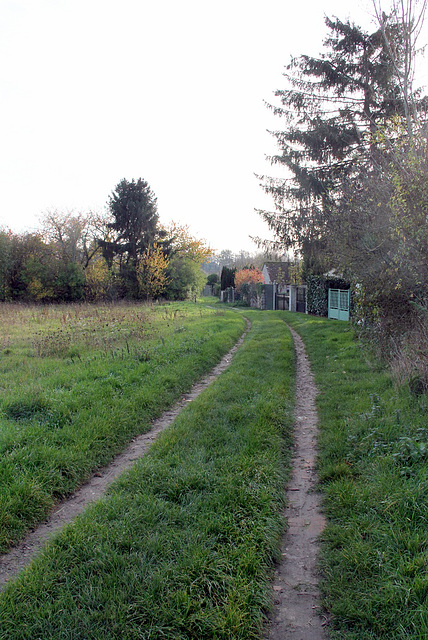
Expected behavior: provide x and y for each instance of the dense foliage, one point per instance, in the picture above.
(354, 199)
(248, 276)
(187, 254)
(122, 254)
(31, 269)
(227, 277)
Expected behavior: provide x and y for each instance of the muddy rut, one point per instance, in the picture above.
(21, 555)
(297, 612)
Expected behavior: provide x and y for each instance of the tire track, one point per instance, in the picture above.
(296, 614)
(21, 555)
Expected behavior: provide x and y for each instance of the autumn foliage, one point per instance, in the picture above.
(152, 272)
(186, 245)
(248, 276)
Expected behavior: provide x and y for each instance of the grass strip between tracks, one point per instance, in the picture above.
(373, 469)
(183, 545)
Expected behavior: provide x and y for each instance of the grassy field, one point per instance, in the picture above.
(183, 545)
(374, 474)
(79, 381)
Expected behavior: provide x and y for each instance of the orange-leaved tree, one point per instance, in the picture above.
(248, 276)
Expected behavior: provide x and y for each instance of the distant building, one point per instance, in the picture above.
(280, 293)
(278, 273)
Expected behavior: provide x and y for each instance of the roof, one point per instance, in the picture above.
(276, 272)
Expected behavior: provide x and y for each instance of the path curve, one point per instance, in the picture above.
(20, 556)
(296, 614)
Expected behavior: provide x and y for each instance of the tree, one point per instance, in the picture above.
(100, 281)
(248, 276)
(182, 242)
(153, 272)
(242, 259)
(295, 271)
(32, 269)
(410, 16)
(226, 258)
(63, 231)
(378, 230)
(212, 278)
(186, 278)
(134, 229)
(6, 243)
(187, 254)
(75, 235)
(333, 107)
(72, 237)
(36, 273)
(227, 278)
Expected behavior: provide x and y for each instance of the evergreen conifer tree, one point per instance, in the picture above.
(333, 107)
(134, 229)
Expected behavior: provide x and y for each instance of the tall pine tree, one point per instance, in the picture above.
(134, 229)
(332, 106)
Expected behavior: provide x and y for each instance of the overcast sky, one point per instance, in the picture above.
(172, 91)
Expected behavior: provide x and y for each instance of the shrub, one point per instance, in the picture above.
(212, 278)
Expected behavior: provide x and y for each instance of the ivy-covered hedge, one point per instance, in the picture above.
(317, 296)
(317, 293)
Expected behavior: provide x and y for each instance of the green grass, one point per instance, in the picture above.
(373, 466)
(183, 545)
(79, 381)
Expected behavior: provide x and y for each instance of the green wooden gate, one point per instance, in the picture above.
(338, 304)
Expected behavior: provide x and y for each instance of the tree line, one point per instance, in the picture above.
(354, 150)
(122, 253)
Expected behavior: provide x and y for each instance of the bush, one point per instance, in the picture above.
(212, 278)
(245, 278)
(186, 278)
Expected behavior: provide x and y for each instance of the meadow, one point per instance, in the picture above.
(79, 381)
(183, 545)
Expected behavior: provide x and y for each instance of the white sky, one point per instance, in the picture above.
(172, 91)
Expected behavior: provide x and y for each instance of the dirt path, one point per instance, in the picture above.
(21, 555)
(296, 613)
